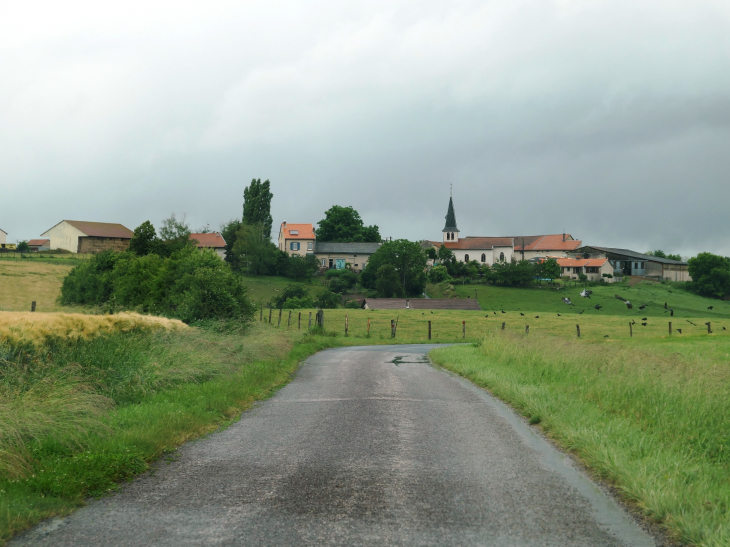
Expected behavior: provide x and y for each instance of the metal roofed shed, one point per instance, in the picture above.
(628, 262)
(79, 236)
(466, 304)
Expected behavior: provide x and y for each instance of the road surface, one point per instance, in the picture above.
(366, 446)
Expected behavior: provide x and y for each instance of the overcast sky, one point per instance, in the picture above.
(609, 120)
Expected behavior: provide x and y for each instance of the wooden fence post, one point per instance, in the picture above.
(631, 330)
(261, 317)
(527, 329)
(32, 306)
(321, 318)
(288, 321)
(368, 326)
(709, 328)
(347, 324)
(270, 310)
(299, 327)
(309, 326)
(503, 324)
(463, 329)
(392, 328)
(670, 328)
(279, 323)
(577, 328)
(429, 330)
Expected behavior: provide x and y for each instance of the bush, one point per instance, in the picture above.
(608, 276)
(293, 297)
(438, 274)
(190, 285)
(328, 299)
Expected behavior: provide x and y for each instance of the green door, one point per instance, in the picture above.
(340, 263)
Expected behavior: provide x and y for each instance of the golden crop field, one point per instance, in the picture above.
(22, 282)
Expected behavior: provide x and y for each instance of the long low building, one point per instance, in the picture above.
(79, 236)
(468, 304)
(627, 262)
(593, 268)
(336, 255)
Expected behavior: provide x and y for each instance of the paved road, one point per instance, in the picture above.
(367, 446)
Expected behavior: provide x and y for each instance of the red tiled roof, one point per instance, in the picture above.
(580, 262)
(304, 231)
(102, 229)
(38, 242)
(478, 243)
(423, 304)
(212, 240)
(553, 242)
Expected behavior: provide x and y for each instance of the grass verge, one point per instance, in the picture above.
(654, 423)
(98, 411)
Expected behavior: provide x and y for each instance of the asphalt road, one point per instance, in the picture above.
(367, 446)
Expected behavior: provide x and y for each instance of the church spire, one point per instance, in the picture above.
(450, 218)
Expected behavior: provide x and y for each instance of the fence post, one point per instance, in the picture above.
(709, 328)
(261, 317)
(299, 326)
(631, 330)
(527, 329)
(270, 310)
(321, 318)
(279, 323)
(309, 326)
(392, 328)
(346, 324)
(368, 326)
(463, 329)
(288, 321)
(670, 328)
(32, 306)
(429, 330)
(503, 324)
(577, 328)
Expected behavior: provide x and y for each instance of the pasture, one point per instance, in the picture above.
(23, 281)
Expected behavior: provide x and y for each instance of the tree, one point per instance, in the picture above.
(710, 274)
(387, 283)
(300, 267)
(657, 253)
(328, 299)
(257, 205)
(406, 257)
(144, 241)
(550, 269)
(431, 253)
(175, 235)
(22, 247)
(345, 224)
(294, 296)
(254, 250)
(674, 257)
(439, 273)
(229, 230)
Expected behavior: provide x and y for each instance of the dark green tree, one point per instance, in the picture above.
(144, 241)
(254, 251)
(549, 269)
(229, 230)
(387, 283)
(23, 247)
(257, 205)
(174, 236)
(710, 274)
(344, 224)
(295, 294)
(328, 299)
(409, 261)
(302, 267)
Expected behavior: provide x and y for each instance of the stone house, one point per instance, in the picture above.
(296, 239)
(88, 237)
(331, 254)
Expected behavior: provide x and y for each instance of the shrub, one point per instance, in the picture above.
(437, 274)
(328, 299)
(294, 296)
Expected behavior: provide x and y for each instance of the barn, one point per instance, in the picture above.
(88, 237)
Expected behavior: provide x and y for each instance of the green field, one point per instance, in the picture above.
(262, 288)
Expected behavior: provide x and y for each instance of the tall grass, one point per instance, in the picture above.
(656, 425)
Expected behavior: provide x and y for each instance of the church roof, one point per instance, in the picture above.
(450, 218)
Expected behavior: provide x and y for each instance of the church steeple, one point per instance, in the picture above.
(450, 231)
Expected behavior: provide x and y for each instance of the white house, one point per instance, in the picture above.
(296, 239)
(592, 268)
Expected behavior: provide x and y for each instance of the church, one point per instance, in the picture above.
(488, 250)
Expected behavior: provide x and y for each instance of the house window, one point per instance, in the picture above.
(466, 258)
(642, 265)
(484, 257)
(294, 246)
(323, 262)
(636, 265)
(294, 232)
(501, 257)
(310, 246)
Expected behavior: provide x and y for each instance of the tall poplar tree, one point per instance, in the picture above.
(257, 205)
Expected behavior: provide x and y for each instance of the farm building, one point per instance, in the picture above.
(626, 262)
(422, 304)
(555, 245)
(88, 237)
(211, 240)
(39, 244)
(338, 255)
(593, 268)
(296, 239)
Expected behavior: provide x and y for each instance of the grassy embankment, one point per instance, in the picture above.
(88, 401)
(650, 414)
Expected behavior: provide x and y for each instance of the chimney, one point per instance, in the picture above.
(563, 236)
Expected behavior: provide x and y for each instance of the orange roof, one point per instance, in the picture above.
(210, 240)
(552, 242)
(580, 262)
(297, 231)
(38, 242)
(476, 243)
